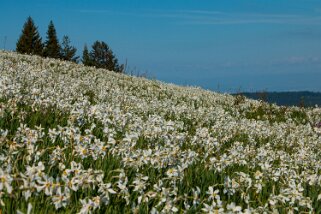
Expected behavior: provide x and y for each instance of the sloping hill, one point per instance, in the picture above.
(80, 139)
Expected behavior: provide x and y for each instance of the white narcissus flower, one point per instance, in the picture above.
(140, 183)
(213, 194)
(258, 174)
(172, 172)
(60, 199)
(105, 190)
(96, 202)
(208, 208)
(87, 206)
(212, 209)
(232, 207)
(46, 184)
(5, 181)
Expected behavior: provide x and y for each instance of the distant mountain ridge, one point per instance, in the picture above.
(299, 98)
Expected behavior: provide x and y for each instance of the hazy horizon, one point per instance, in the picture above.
(217, 45)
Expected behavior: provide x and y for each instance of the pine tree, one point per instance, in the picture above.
(52, 47)
(103, 57)
(68, 52)
(30, 40)
(86, 57)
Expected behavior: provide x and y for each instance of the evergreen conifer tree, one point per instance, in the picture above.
(52, 47)
(103, 57)
(86, 57)
(68, 52)
(30, 40)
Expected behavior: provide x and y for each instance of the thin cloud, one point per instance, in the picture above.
(304, 33)
(108, 12)
(251, 18)
(207, 17)
(317, 10)
(303, 60)
(201, 12)
(94, 11)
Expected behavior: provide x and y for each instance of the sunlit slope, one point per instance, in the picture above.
(80, 139)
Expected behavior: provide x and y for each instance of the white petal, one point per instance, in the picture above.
(112, 191)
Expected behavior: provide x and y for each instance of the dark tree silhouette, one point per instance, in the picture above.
(86, 57)
(67, 51)
(30, 40)
(101, 56)
(52, 47)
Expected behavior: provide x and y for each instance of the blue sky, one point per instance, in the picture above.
(232, 45)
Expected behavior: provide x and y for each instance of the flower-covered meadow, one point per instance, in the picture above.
(76, 139)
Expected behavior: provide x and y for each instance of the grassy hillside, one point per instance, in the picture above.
(79, 139)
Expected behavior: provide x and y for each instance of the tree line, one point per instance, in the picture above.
(30, 42)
